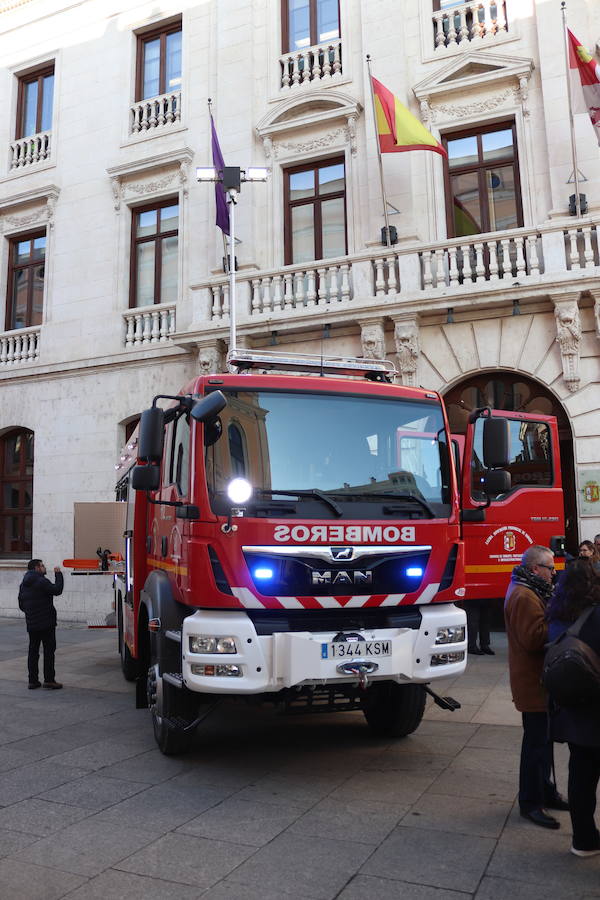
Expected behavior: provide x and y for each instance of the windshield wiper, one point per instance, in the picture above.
(314, 492)
(389, 495)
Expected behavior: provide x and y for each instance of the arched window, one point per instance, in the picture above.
(16, 493)
(236, 450)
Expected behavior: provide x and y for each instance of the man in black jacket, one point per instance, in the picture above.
(35, 599)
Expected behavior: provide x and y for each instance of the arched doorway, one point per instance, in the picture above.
(514, 391)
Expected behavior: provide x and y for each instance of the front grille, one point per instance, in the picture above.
(314, 620)
(293, 577)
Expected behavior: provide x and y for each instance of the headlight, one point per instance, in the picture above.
(452, 634)
(204, 643)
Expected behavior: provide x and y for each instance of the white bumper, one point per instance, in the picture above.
(270, 663)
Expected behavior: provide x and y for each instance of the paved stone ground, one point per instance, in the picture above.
(265, 808)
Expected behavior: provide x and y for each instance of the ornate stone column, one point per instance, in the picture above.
(372, 338)
(408, 350)
(568, 337)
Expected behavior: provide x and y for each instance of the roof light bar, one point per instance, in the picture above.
(300, 362)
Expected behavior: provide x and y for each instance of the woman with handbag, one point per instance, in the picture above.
(579, 726)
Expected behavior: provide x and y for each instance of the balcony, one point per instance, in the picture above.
(155, 113)
(470, 22)
(19, 347)
(321, 63)
(148, 326)
(28, 151)
(476, 271)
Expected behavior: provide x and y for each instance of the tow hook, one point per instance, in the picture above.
(361, 667)
(448, 703)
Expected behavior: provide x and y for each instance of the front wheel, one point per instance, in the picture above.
(169, 725)
(394, 710)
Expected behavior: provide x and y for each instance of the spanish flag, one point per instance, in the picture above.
(397, 128)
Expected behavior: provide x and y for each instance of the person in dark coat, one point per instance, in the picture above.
(579, 726)
(35, 600)
(528, 594)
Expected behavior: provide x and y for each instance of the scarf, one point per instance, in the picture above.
(521, 575)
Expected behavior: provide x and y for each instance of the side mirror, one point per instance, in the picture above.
(152, 435)
(209, 407)
(145, 478)
(496, 443)
(496, 481)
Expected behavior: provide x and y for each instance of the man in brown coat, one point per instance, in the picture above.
(527, 631)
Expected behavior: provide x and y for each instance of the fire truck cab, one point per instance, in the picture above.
(294, 537)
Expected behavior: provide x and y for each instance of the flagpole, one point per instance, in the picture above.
(383, 196)
(232, 309)
(563, 8)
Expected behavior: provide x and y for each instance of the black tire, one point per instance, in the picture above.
(165, 702)
(128, 663)
(394, 710)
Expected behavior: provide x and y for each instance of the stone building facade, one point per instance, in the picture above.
(114, 268)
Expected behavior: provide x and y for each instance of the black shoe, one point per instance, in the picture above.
(539, 817)
(556, 802)
(53, 685)
(488, 651)
(475, 651)
(33, 685)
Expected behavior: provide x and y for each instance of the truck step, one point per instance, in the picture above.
(174, 678)
(326, 700)
(102, 621)
(173, 635)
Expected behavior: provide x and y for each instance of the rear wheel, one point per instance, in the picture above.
(394, 710)
(170, 718)
(128, 663)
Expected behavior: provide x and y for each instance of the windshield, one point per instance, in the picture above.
(352, 448)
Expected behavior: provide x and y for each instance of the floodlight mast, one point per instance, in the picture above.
(231, 178)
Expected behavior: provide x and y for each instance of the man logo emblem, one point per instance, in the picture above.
(341, 552)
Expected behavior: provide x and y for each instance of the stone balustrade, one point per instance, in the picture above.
(20, 346)
(149, 325)
(473, 267)
(581, 247)
(325, 284)
(29, 150)
(155, 112)
(493, 258)
(321, 62)
(468, 22)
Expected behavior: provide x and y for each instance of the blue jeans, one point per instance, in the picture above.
(536, 787)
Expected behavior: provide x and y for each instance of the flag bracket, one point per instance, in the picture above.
(581, 177)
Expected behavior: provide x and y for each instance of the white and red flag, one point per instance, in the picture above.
(585, 71)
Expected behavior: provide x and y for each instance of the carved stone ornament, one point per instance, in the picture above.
(406, 337)
(372, 338)
(150, 187)
(568, 337)
(289, 148)
(40, 215)
(211, 359)
(476, 107)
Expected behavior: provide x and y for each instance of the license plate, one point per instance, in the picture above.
(348, 650)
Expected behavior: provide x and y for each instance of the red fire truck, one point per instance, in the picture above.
(530, 512)
(298, 538)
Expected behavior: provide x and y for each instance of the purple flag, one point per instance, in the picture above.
(220, 199)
